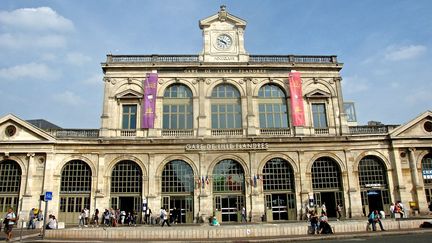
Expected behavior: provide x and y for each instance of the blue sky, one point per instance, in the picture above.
(50, 51)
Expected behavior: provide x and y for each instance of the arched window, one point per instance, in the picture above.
(427, 176)
(273, 112)
(75, 188)
(228, 176)
(10, 182)
(177, 176)
(427, 170)
(278, 175)
(10, 177)
(76, 177)
(225, 107)
(326, 174)
(372, 171)
(177, 107)
(126, 177)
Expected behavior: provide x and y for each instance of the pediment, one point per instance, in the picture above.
(129, 94)
(318, 94)
(421, 126)
(14, 129)
(222, 16)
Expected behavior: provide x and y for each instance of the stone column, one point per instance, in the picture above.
(250, 116)
(344, 129)
(353, 204)
(418, 189)
(400, 188)
(202, 125)
(100, 199)
(105, 109)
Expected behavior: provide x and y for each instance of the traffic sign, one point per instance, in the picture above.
(48, 196)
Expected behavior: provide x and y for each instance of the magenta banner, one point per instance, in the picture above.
(149, 101)
(297, 109)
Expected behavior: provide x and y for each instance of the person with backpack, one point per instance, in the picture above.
(8, 223)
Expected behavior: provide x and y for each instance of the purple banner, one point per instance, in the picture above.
(149, 101)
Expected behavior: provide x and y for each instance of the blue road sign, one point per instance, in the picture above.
(48, 196)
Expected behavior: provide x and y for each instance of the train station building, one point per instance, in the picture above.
(214, 132)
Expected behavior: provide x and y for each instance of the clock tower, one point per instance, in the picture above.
(223, 38)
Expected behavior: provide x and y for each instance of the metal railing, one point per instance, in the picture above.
(74, 133)
(227, 132)
(195, 59)
(384, 129)
(177, 133)
(275, 131)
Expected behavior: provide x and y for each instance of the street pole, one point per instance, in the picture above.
(44, 220)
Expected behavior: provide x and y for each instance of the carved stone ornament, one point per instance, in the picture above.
(255, 80)
(208, 81)
(241, 81)
(161, 81)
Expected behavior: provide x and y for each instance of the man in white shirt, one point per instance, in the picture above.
(9, 221)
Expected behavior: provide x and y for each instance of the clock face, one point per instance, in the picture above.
(223, 41)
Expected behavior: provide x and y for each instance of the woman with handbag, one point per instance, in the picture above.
(8, 223)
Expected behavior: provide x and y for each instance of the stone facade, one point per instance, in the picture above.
(41, 156)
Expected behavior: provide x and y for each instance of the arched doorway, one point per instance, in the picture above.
(427, 176)
(177, 190)
(279, 190)
(126, 187)
(327, 184)
(373, 185)
(10, 182)
(228, 190)
(75, 188)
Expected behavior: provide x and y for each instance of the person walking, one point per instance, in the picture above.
(164, 217)
(81, 218)
(339, 211)
(243, 214)
(32, 218)
(96, 218)
(8, 222)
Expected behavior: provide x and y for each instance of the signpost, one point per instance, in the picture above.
(46, 197)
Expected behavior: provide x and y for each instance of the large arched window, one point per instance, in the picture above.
(427, 175)
(75, 188)
(372, 171)
(278, 176)
(228, 176)
(177, 107)
(273, 112)
(126, 177)
(225, 107)
(10, 182)
(177, 176)
(76, 177)
(326, 174)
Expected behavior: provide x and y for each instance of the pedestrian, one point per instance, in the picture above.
(86, 217)
(374, 218)
(32, 218)
(392, 210)
(96, 218)
(52, 222)
(430, 207)
(314, 222)
(339, 211)
(81, 218)
(323, 208)
(8, 223)
(122, 217)
(324, 226)
(107, 217)
(164, 217)
(148, 214)
(243, 214)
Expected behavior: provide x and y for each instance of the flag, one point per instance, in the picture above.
(207, 180)
(149, 101)
(297, 110)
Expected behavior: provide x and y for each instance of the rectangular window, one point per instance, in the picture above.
(129, 117)
(350, 111)
(319, 115)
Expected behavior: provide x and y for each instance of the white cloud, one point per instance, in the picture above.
(77, 59)
(32, 70)
(394, 53)
(35, 19)
(354, 84)
(95, 79)
(419, 97)
(29, 29)
(68, 98)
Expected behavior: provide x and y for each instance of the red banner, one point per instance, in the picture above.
(297, 110)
